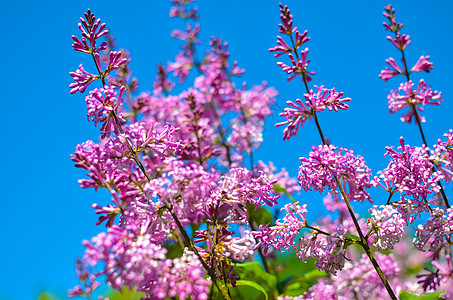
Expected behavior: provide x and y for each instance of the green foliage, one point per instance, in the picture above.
(47, 296)
(405, 295)
(126, 294)
(279, 188)
(260, 215)
(255, 283)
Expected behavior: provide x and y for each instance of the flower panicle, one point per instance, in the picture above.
(299, 63)
(92, 30)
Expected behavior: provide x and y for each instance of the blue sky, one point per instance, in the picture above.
(45, 213)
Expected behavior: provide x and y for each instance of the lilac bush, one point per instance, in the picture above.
(189, 213)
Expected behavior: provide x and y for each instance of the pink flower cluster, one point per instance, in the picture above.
(422, 95)
(328, 163)
(297, 114)
(409, 173)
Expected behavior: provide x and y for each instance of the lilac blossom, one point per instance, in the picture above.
(387, 224)
(390, 15)
(358, 280)
(327, 162)
(115, 61)
(182, 66)
(134, 261)
(434, 235)
(290, 184)
(422, 65)
(239, 248)
(299, 67)
(297, 114)
(410, 174)
(91, 29)
(327, 250)
(239, 187)
(422, 95)
(325, 98)
(103, 106)
(282, 235)
(180, 10)
(82, 80)
(400, 41)
(442, 156)
(387, 73)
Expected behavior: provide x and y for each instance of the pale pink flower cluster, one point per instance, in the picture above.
(387, 224)
(410, 174)
(327, 162)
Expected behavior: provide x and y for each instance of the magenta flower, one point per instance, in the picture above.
(390, 15)
(422, 65)
(443, 156)
(298, 68)
(180, 10)
(115, 61)
(103, 107)
(400, 41)
(423, 95)
(182, 66)
(296, 115)
(328, 251)
(189, 36)
(91, 29)
(326, 98)
(282, 235)
(358, 280)
(436, 233)
(287, 20)
(387, 73)
(409, 173)
(317, 172)
(82, 80)
(282, 48)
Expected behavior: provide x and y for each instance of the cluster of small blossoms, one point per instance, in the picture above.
(423, 95)
(299, 66)
(163, 178)
(283, 179)
(135, 261)
(297, 114)
(103, 106)
(327, 164)
(240, 186)
(410, 174)
(436, 233)
(357, 281)
(387, 224)
(442, 156)
(282, 235)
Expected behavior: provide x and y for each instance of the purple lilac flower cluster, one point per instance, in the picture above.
(188, 202)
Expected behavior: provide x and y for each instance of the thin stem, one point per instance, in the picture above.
(364, 242)
(190, 245)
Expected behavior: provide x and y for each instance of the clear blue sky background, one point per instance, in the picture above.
(45, 215)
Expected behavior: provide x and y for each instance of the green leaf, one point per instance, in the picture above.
(297, 285)
(405, 295)
(253, 271)
(260, 215)
(126, 294)
(253, 285)
(279, 188)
